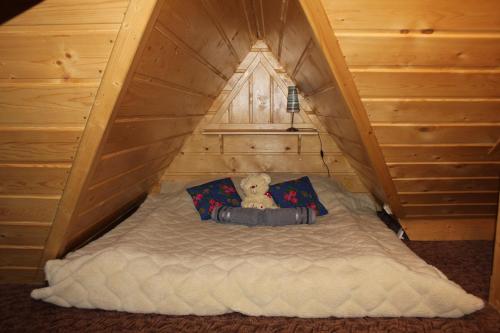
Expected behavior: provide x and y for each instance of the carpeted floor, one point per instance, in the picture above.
(467, 263)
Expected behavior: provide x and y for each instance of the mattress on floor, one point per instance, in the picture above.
(165, 260)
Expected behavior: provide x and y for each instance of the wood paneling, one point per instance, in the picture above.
(444, 169)
(413, 48)
(436, 153)
(53, 57)
(432, 110)
(427, 82)
(413, 14)
(447, 184)
(72, 12)
(26, 234)
(450, 209)
(449, 229)
(494, 296)
(28, 208)
(450, 197)
(55, 52)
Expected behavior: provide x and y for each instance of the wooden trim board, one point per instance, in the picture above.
(495, 276)
(448, 229)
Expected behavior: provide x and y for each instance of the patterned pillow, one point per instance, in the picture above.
(206, 197)
(297, 193)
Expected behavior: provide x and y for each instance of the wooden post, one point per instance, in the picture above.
(495, 275)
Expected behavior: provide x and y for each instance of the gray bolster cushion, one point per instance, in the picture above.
(266, 217)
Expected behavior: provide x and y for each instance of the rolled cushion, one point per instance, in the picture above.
(263, 217)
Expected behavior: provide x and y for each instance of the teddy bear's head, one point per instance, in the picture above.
(256, 184)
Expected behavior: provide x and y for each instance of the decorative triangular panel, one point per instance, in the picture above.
(256, 95)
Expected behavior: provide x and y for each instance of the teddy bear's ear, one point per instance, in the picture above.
(266, 177)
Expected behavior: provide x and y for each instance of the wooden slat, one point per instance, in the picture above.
(436, 153)
(69, 12)
(30, 234)
(231, 17)
(450, 197)
(56, 52)
(260, 143)
(296, 36)
(17, 274)
(274, 23)
(450, 209)
(20, 256)
(231, 163)
(164, 60)
(413, 14)
(427, 83)
(28, 208)
(183, 19)
(381, 185)
(449, 229)
(485, 133)
(417, 49)
(447, 184)
(407, 110)
(127, 134)
(42, 102)
(151, 97)
(137, 22)
(18, 144)
(312, 75)
(494, 296)
(33, 179)
(445, 169)
(100, 192)
(114, 164)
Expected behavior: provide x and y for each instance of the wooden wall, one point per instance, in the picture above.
(52, 60)
(243, 132)
(427, 73)
(288, 33)
(188, 53)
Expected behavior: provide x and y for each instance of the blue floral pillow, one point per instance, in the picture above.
(297, 193)
(206, 197)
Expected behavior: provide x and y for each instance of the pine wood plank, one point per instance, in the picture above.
(417, 49)
(450, 209)
(70, 12)
(39, 102)
(494, 296)
(12, 233)
(449, 197)
(18, 274)
(447, 229)
(444, 169)
(389, 82)
(452, 133)
(413, 14)
(447, 184)
(56, 52)
(152, 97)
(32, 179)
(137, 132)
(28, 208)
(437, 153)
(20, 255)
(432, 110)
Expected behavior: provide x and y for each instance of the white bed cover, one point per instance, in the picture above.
(165, 260)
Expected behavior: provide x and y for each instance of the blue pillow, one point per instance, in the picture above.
(297, 193)
(206, 197)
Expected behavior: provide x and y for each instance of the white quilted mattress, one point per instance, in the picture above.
(165, 260)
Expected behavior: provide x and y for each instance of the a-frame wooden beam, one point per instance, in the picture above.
(328, 42)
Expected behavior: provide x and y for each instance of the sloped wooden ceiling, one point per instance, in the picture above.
(429, 78)
(52, 60)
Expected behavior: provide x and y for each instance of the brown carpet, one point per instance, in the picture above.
(467, 263)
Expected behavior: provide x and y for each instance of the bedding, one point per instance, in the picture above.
(165, 260)
(254, 217)
(297, 193)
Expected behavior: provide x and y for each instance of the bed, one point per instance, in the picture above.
(165, 260)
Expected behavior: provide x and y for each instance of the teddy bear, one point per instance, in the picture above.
(255, 187)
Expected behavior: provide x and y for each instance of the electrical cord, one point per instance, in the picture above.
(322, 154)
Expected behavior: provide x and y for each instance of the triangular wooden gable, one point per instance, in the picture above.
(256, 95)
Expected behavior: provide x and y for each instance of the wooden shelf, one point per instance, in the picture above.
(302, 131)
